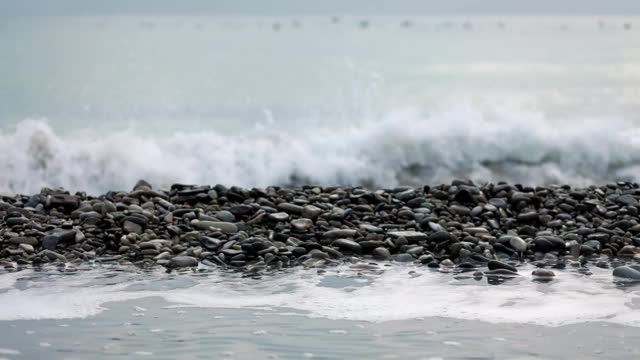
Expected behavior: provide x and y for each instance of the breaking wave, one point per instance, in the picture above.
(404, 147)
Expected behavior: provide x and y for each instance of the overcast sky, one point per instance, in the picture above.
(74, 7)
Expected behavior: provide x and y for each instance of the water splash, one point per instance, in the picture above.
(404, 147)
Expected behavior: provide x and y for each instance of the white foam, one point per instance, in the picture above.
(8, 280)
(394, 295)
(521, 146)
(4, 351)
(58, 298)
(143, 353)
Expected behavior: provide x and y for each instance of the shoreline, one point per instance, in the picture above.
(267, 333)
(486, 229)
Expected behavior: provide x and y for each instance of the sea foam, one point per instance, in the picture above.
(405, 147)
(339, 293)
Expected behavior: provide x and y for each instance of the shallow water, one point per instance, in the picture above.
(153, 328)
(350, 311)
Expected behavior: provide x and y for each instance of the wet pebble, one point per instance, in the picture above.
(493, 265)
(447, 225)
(404, 258)
(627, 272)
(183, 261)
(350, 245)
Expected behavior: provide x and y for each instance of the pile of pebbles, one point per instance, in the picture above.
(461, 226)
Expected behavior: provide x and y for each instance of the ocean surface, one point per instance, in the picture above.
(391, 311)
(95, 103)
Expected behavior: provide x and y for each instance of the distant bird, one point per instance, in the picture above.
(627, 26)
(150, 25)
(406, 23)
(364, 24)
(276, 26)
(445, 25)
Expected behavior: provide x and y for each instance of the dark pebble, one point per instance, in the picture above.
(493, 265)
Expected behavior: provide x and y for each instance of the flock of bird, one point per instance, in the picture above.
(407, 23)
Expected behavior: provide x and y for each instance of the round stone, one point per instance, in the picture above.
(279, 216)
(381, 253)
(347, 244)
(543, 273)
(627, 272)
(302, 224)
(404, 258)
(183, 261)
(225, 216)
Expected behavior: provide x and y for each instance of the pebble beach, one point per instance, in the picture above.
(327, 180)
(488, 229)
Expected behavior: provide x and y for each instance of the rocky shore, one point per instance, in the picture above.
(487, 230)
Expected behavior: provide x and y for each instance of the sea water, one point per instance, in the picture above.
(94, 103)
(383, 311)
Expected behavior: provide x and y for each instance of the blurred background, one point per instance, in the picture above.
(94, 95)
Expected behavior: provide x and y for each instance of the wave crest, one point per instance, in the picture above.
(405, 147)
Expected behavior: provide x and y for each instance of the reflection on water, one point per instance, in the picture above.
(352, 291)
(355, 311)
(151, 327)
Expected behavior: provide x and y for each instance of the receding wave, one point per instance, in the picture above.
(405, 147)
(340, 293)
